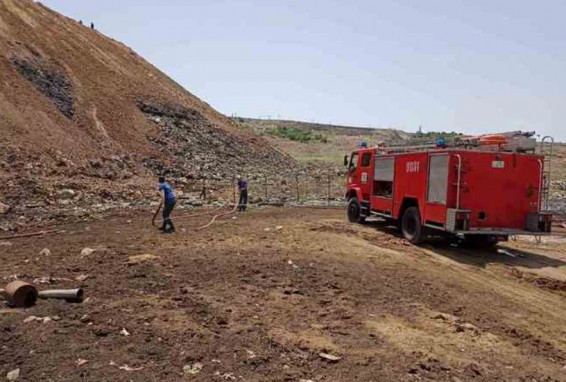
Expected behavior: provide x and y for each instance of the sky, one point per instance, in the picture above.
(472, 66)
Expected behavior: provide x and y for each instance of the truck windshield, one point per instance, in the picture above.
(353, 162)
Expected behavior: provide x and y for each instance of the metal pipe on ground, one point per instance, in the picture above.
(69, 295)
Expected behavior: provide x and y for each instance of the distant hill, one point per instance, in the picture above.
(315, 142)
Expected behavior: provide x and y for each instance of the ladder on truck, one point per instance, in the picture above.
(518, 141)
(546, 148)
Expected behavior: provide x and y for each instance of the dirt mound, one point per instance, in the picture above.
(79, 110)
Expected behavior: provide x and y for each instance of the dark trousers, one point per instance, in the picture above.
(167, 209)
(243, 203)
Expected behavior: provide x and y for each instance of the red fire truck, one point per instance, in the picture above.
(481, 189)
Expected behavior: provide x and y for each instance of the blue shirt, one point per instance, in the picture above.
(167, 192)
(242, 185)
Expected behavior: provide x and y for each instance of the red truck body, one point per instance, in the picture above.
(467, 192)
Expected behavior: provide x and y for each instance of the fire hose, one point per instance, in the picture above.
(211, 222)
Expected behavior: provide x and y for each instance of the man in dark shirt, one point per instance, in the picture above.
(243, 188)
(169, 201)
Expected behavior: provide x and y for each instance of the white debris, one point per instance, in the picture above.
(278, 228)
(124, 332)
(87, 252)
(13, 375)
(45, 252)
(4, 208)
(82, 278)
(45, 320)
(329, 357)
(66, 194)
(125, 367)
(80, 362)
(193, 369)
(251, 354)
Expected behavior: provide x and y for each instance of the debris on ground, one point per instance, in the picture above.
(38, 319)
(45, 252)
(13, 375)
(193, 369)
(329, 357)
(86, 252)
(124, 332)
(139, 259)
(4, 208)
(82, 278)
(80, 362)
(126, 367)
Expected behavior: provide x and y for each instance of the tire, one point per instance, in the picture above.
(354, 211)
(411, 226)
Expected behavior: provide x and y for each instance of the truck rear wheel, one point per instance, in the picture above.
(354, 211)
(411, 226)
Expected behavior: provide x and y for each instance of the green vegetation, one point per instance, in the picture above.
(295, 134)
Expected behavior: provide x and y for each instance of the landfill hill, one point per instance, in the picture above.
(82, 112)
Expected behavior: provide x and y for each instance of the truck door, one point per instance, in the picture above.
(360, 171)
(353, 175)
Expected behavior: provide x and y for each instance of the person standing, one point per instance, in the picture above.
(169, 201)
(243, 188)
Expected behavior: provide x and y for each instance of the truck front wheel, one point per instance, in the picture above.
(411, 226)
(354, 211)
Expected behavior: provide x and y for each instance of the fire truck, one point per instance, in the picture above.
(478, 189)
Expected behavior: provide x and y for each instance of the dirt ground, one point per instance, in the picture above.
(260, 297)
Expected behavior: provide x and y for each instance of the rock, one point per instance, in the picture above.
(466, 327)
(45, 252)
(4, 208)
(329, 357)
(81, 362)
(82, 278)
(87, 252)
(66, 194)
(30, 319)
(138, 259)
(444, 317)
(13, 375)
(193, 369)
(124, 332)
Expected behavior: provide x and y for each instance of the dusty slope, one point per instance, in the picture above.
(256, 305)
(78, 107)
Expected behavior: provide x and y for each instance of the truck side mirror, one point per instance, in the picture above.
(345, 160)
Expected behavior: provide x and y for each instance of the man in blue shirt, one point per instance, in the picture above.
(169, 201)
(243, 188)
